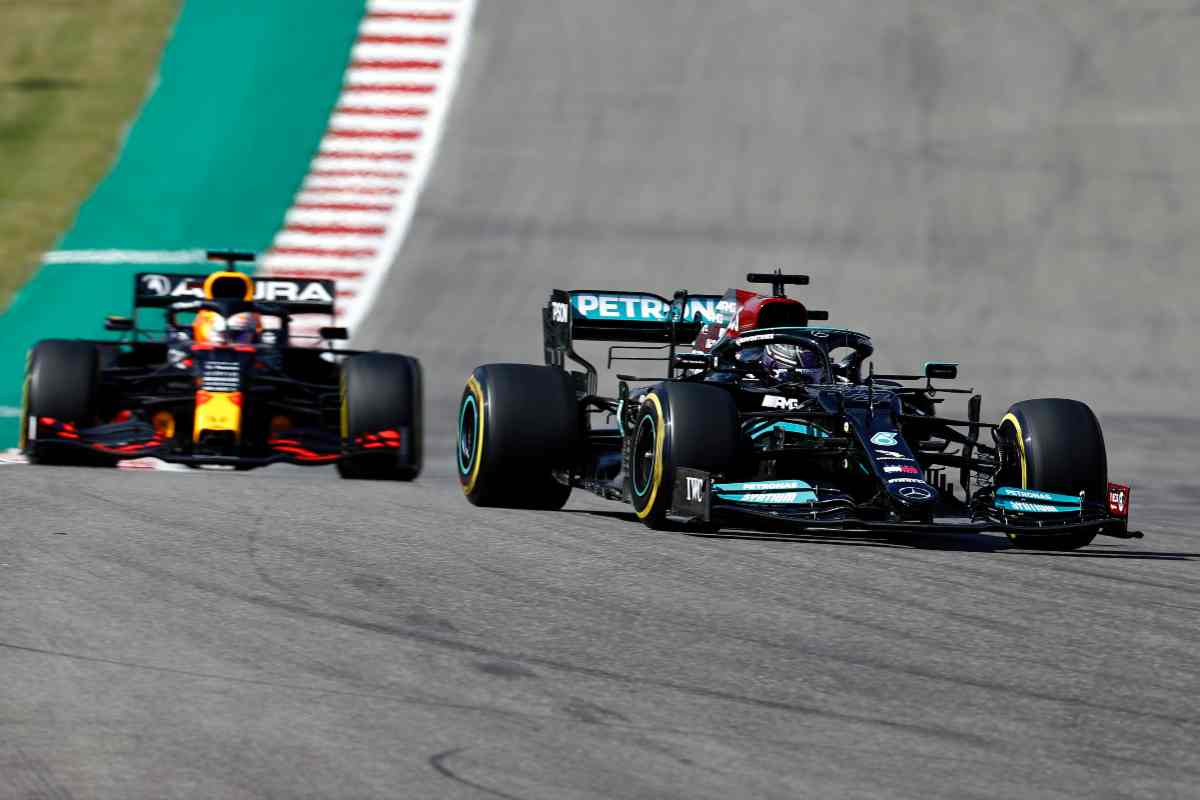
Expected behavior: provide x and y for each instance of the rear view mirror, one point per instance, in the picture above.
(941, 370)
(819, 316)
(331, 334)
(115, 323)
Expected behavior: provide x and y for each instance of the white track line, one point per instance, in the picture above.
(124, 257)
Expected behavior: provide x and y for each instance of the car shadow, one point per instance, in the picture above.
(954, 542)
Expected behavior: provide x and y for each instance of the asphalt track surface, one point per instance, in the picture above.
(1006, 186)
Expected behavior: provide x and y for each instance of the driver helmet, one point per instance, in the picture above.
(241, 328)
(788, 363)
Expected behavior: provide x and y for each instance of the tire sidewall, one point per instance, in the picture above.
(471, 413)
(651, 434)
(519, 424)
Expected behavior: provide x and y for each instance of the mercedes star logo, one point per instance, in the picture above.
(915, 493)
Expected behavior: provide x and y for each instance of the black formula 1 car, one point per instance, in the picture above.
(767, 420)
(223, 383)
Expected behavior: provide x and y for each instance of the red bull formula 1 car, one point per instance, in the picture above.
(767, 420)
(223, 383)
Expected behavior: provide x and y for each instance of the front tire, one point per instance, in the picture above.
(518, 425)
(62, 381)
(382, 394)
(1054, 445)
(678, 425)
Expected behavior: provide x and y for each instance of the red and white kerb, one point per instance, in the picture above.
(353, 210)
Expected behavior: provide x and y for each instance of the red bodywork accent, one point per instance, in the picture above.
(375, 441)
(746, 315)
(295, 448)
(1118, 500)
(67, 430)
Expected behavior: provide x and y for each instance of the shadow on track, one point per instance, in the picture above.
(961, 542)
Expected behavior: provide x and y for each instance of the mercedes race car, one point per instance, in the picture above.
(766, 420)
(224, 383)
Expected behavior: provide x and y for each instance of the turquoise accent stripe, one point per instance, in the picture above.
(762, 486)
(1037, 495)
(777, 498)
(1030, 507)
(766, 426)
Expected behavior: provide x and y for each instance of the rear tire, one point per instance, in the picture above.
(517, 425)
(1054, 445)
(679, 425)
(382, 392)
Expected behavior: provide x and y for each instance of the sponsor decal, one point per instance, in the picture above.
(1033, 508)
(291, 292)
(775, 401)
(884, 439)
(777, 486)
(640, 307)
(892, 469)
(1118, 500)
(891, 454)
(1035, 494)
(907, 470)
(266, 289)
(774, 497)
(757, 337)
(693, 489)
(157, 285)
(915, 493)
(558, 312)
(221, 376)
(905, 480)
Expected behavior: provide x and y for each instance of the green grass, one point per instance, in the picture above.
(72, 76)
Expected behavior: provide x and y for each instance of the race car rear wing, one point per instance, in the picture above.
(294, 295)
(613, 316)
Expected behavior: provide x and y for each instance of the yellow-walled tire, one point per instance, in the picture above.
(1054, 445)
(518, 425)
(678, 425)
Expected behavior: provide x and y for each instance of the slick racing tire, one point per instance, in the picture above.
(382, 396)
(518, 425)
(1054, 445)
(62, 382)
(678, 425)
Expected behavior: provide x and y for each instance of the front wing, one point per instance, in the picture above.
(127, 440)
(697, 498)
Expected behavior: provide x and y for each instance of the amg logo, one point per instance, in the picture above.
(693, 490)
(775, 401)
(558, 312)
